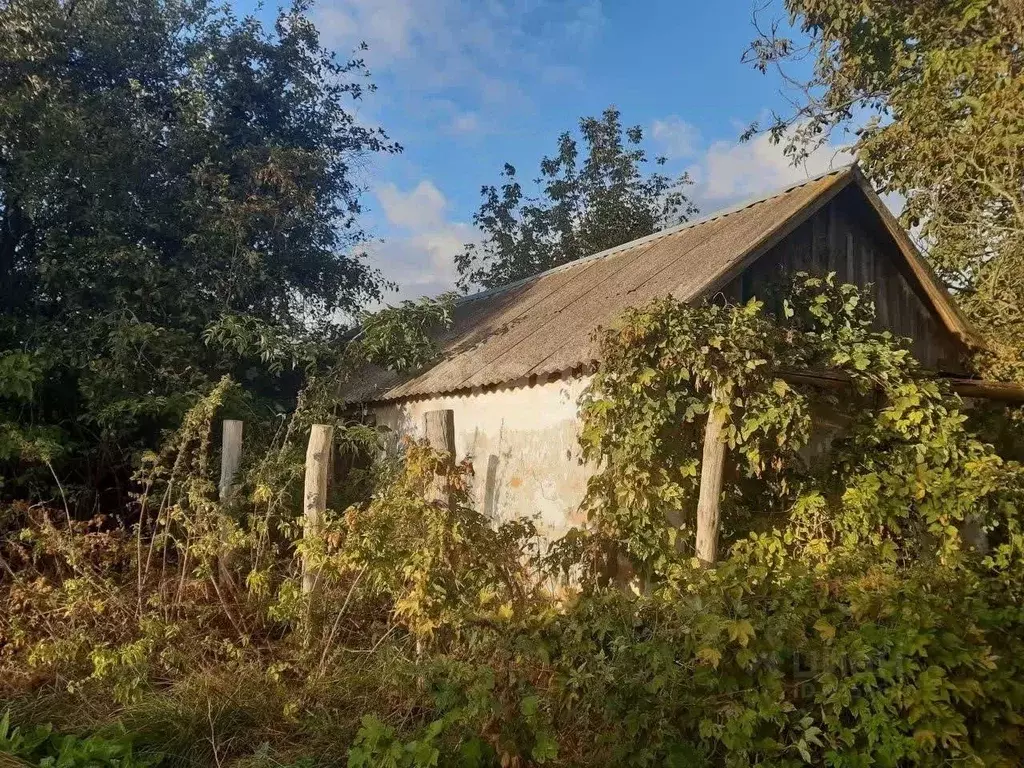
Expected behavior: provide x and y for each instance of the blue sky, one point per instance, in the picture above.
(467, 85)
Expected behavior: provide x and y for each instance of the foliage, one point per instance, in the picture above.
(935, 90)
(41, 746)
(904, 460)
(20, 376)
(847, 625)
(767, 660)
(663, 370)
(91, 606)
(178, 202)
(439, 562)
(581, 206)
(398, 338)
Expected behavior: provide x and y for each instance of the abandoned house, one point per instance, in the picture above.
(516, 359)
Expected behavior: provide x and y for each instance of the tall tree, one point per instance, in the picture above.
(935, 92)
(579, 207)
(168, 172)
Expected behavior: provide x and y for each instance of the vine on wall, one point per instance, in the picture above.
(903, 469)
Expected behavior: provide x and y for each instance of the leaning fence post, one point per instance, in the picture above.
(712, 466)
(439, 427)
(314, 496)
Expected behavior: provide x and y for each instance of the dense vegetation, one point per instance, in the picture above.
(869, 614)
(178, 202)
(935, 92)
(200, 261)
(41, 745)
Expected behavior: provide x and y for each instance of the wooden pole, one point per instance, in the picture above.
(230, 456)
(314, 497)
(980, 388)
(439, 427)
(712, 467)
(440, 430)
(230, 459)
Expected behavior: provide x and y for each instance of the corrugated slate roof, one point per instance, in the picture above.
(545, 324)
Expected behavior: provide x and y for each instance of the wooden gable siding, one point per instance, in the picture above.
(846, 238)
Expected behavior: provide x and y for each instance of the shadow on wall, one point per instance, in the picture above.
(401, 421)
(530, 471)
(404, 425)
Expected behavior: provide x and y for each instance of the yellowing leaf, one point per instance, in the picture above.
(925, 737)
(825, 629)
(707, 655)
(740, 631)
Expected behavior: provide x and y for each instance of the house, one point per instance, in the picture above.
(517, 358)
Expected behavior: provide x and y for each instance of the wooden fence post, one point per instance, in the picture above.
(230, 459)
(712, 466)
(439, 427)
(230, 456)
(440, 430)
(314, 497)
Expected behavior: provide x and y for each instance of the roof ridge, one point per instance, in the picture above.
(713, 216)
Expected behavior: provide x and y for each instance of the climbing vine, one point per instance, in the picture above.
(900, 466)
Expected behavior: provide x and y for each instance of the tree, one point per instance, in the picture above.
(580, 207)
(935, 92)
(170, 176)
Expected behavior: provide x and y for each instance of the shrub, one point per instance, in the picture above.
(851, 624)
(857, 619)
(41, 746)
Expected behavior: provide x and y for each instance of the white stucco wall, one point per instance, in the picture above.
(523, 445)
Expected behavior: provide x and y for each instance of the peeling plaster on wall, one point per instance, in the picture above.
(523, 445)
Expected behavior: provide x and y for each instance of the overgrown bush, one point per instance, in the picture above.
(898, 465)
(440, 564)
(868, 610)
(193, 629)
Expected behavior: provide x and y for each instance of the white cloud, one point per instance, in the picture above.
(417, 210)
(388, 24)
(730, 171)
(420, 261)
(481, 47)
(450, 68)
(675, 138)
